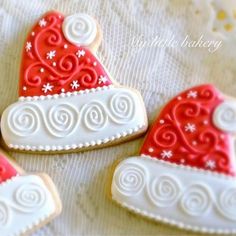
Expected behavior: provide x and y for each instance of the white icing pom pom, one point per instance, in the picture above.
(224, 116)
(80, 29)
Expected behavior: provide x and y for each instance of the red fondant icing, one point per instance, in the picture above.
(184, 132)
(7, 171)
(50, 61)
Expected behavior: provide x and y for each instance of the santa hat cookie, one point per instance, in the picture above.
(67, 99)
(186, 174)
(27, 202)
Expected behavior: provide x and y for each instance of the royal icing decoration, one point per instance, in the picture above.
(54, 56)
(186, 197)
(191, 130)
(66, 124)
(67, 100)
(25, 201)
(185, 175)
(80, 29)
(7, 171)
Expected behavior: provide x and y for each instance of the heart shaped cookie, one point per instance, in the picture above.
(67, 100)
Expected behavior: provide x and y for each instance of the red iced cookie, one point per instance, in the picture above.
(185, 175)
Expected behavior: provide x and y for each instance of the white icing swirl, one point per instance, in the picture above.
(164, 191)
(224, 116)
(227, 203)
(63, 120)
(30, 197)
(4, 214)
(94, 116)
(24, 120)
(122, 108)
(80, 29)
(130, 179)
(196, 200)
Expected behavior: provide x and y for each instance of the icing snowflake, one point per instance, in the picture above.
(192, 94)
(47, 87)
(42, 22)
(51, 54)
(210, 164)
(28, 46)
(166, 154)
(80, 53)
(74, 84)
(102, 80)
(190, 128)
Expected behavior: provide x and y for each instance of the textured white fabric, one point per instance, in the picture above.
(158, 73)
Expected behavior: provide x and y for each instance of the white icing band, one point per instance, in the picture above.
(224, 116)
(25, 202)
(73, 121)
(189, 198)
(80, 29)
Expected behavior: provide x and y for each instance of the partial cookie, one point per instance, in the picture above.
(67, 100)
(27, 202)
(186, 174)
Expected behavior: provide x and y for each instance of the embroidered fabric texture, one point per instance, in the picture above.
(158, 73)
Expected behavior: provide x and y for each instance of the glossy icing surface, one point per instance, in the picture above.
(185, 132)
(66, 98)
(7, 171)
(24, 203)
(179, 195)
(99, 116)
(51, 64)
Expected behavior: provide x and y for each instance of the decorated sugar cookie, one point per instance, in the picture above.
(67, 99)
(185, 174)
(27, 202)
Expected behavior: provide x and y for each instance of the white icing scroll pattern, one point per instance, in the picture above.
(24, 120)
(80, 29)
(4, 214)
(224, 116)
(62, 119)
(27, 198)
(130, 179)
(95, 116)
(196, 200)
(164, 191)
(122, 108)
(227, 203)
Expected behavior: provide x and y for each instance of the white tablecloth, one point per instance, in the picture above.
(157, 72)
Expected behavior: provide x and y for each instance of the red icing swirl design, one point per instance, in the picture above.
(184, 132)
(52, 65)
(7, 171)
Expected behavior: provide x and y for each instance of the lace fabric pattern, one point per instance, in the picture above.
(157, 72)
